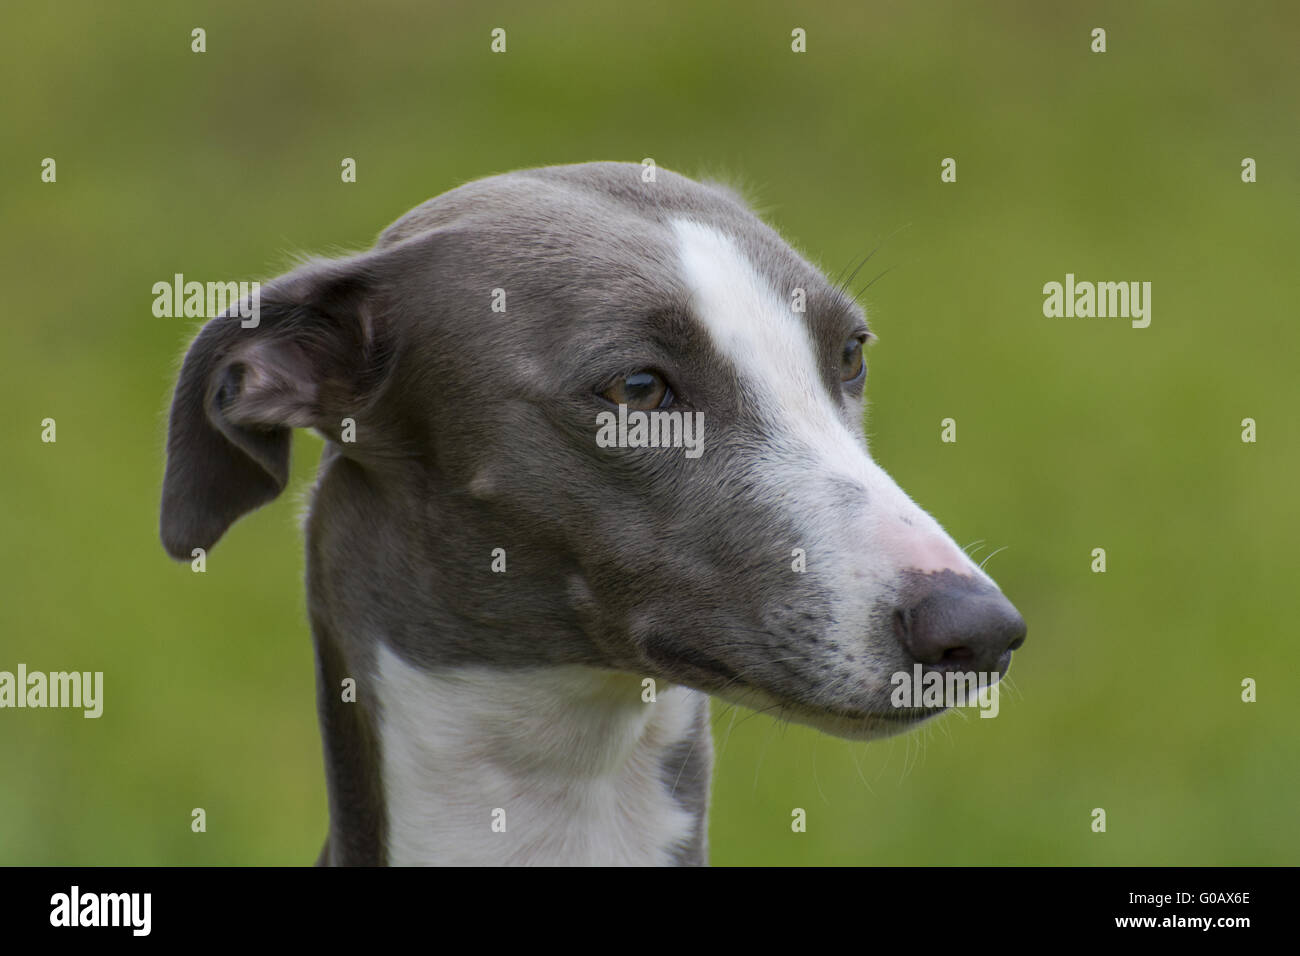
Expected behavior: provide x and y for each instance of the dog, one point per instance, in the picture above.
(532, 621)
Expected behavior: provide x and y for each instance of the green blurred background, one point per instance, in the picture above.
(1072, 433)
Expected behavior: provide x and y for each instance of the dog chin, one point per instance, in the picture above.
(865, 726)
(847, 723)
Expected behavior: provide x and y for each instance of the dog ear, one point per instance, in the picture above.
(312, 351)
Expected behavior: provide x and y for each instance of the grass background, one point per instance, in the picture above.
(1073, 434)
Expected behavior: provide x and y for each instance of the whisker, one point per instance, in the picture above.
(858, 295)
(853, 755)
(991, 554)
(843, 286)
(817, 780)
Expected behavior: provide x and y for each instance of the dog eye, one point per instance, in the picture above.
(852, 367)
(640, 391)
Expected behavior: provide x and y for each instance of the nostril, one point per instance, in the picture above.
(959, 656)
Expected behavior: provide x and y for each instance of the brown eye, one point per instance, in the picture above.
(640, 391)
(852, 368)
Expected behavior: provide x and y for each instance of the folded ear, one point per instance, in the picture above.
(312, 352)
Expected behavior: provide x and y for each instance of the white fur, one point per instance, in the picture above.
(571, 754)
(813, 443)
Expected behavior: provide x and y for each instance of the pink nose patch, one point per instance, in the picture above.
(925, 551)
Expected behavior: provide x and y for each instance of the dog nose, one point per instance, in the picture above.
(958, 623)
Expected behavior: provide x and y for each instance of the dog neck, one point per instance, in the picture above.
(560, 765)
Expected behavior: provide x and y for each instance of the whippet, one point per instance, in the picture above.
(534, 620)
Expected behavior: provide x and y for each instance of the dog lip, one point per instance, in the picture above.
(909, 714)
(901, 716)
(904, 715)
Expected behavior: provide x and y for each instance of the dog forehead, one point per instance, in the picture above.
(588, 220)
(756, 328)
(595, 256)
(581, 196)
(739, 306)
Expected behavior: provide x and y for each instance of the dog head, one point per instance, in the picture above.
(509, 355)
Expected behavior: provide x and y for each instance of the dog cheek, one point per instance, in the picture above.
(601, 622)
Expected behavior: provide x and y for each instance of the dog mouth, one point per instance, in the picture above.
(799, 704)
(847, 722)
(895, 720)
